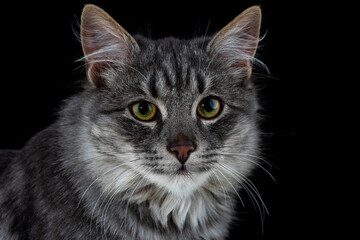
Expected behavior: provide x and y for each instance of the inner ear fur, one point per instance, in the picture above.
(104, 42)
(237, 42)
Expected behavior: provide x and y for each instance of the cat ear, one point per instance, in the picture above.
(104, 42)
(237, 42)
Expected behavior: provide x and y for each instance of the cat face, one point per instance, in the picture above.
(176, 112)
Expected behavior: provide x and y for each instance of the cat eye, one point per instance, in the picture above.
(144, 111)
(209, 107)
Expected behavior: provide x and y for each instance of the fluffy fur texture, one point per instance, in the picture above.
(100, 173)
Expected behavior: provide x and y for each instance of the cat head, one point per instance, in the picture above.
(176, 113)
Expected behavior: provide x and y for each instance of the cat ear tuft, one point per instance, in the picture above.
(237, 42)
(104, 42)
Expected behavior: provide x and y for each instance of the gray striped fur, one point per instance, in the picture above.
(99, 173)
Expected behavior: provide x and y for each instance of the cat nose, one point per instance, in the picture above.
(182, 151)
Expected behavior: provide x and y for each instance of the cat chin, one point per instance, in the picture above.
(180, 185)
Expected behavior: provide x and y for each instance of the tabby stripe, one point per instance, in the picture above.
(200, 83)
(188, 77)
(167, 77)
(178, 70)
(152, 85)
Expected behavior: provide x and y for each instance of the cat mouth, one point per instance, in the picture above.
(182, 171)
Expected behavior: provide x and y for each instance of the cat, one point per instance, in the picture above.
(156, 146)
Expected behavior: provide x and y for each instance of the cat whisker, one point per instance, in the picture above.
(202, 45)
(264, 76)
(93, 182)
(143, 176)
(232, 186)
(246, 158)
(209, 64)
(258, 75)
(247, 155)
(116, 192)
(106, 207)
(222, 75)
(221, 185)
(250, 188)
(107, 191)
(111, 61)
(102, 217)
(134, 182)
(227, 152)
(93, 212)
(256, 157)
(247, 181)
(103, 174)
(252, 197)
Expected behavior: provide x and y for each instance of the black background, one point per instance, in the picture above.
(39, 70)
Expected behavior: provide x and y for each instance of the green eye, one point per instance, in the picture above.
(209, 107)
(144, 111)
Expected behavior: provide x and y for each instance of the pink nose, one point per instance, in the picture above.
(182, 151)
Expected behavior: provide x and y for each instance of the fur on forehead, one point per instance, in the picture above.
(106, 44)
(170, 66)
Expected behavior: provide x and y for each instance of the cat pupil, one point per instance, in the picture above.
(209, 105)
(144, 108)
